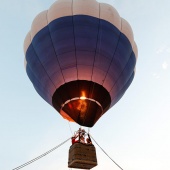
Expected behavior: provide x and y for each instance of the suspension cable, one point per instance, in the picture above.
(44, 154)
(70, 128)
(105, 153)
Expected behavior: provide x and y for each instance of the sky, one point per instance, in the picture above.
(135, 132)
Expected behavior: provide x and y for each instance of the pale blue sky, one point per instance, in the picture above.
(135, 132)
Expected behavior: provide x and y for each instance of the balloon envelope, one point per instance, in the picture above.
(80, 57)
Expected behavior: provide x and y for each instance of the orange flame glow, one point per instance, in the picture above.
(83, 96)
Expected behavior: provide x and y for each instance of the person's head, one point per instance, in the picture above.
(83, 132)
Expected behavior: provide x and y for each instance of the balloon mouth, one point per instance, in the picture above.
(82, 110)
(81, 101)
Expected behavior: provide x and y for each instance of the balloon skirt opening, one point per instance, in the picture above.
(83, 101)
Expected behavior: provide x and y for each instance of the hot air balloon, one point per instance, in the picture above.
(80, 56)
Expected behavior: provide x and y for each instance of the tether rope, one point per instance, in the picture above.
(106, 153)
(44, 154)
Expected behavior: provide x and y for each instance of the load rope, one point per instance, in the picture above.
(42, 155)
(106, 153)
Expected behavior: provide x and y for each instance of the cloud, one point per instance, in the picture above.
(163, 49)
(164, 58)
(164, 65)
(168, 50)
(156, 75)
